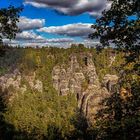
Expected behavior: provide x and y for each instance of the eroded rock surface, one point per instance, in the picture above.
(79, 78)
(12, 82)
(83, 81)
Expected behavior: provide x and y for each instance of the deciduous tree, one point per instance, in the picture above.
(8, 22)
(121, 25)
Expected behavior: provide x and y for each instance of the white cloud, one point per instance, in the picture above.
(29, 24)
(55, 42)
(11, 42)
(30, 38)
(28, 35)
(91, 42)
(72, 7)
(60, 40)
(72, 30)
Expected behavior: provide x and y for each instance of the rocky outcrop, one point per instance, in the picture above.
(78, 77)
(83, 81)
(109, 81)
(13, 81)
(34, 83)
(112, 58)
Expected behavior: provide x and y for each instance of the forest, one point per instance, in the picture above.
(72, 93)
(47, 115)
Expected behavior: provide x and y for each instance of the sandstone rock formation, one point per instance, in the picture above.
(34, 84)
(109, 81)
(78, 78)
(83, 81)
(13, 81)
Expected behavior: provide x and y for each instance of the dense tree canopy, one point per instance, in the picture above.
(8, 22)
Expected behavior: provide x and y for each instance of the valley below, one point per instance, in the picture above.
(57, 93)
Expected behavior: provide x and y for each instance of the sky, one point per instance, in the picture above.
(56, 22)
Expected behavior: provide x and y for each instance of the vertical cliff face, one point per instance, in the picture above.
(82, 80)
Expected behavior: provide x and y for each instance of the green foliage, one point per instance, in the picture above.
(8, 22)
(121, 118)
(38, 115)
(46, 115)
(3, 71)
(41, 114)
(117, 26)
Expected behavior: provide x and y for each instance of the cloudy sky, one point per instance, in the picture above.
(56, 22)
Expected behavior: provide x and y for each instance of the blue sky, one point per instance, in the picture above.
(55, 22)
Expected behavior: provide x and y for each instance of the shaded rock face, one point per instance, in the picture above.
(14, 80)
(83, 81)
(109, 81)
